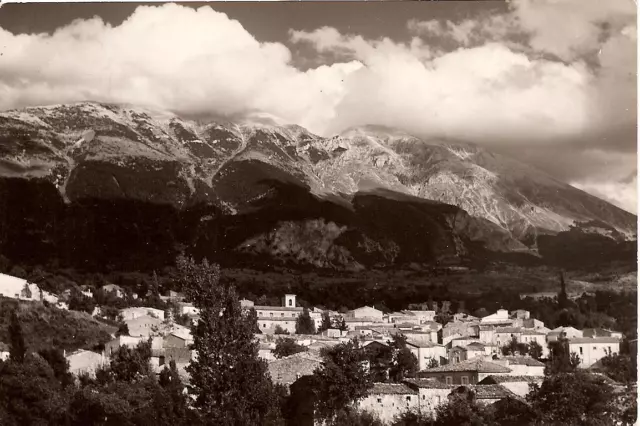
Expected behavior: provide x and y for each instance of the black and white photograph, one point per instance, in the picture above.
(318, 213)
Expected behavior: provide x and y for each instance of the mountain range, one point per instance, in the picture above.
(101, 185)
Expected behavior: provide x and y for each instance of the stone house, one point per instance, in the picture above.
(465, 372)
(504, 335)
(473, 350)
(116, 290)
(431, 393)
(175, 340)
(388, 400)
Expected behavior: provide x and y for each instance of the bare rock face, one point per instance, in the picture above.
(370, 195)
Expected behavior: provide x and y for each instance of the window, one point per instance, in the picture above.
(282, 314)
(264, 325)
(408, 398)
(594, 348)
(424, 397)
(609, 347)
(580, 350)
(449, 380)
(438, 399)
(270, 314)
(379, 400)
(465, 380)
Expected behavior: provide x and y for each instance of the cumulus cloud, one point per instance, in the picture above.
(545, 73)
(173, 57)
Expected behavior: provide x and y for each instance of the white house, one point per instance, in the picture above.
(424, 351)
(500, 317)
(18, 288)
(137, 312)
(82, 361)
(592, 349)
(188, 309)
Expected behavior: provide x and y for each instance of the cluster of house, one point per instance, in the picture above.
(464, 352)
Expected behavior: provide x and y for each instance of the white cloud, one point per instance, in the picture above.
(170, 57)
(621, 194)
(500, 84)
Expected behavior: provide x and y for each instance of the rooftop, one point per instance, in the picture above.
(510, 379)
(391, 389)
(492, 392)
(478, 365)
(588, 340)
(278, 308)
(430, 383)
(288, 370)
(524, 360)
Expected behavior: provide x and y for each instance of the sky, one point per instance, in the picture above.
(550, 82)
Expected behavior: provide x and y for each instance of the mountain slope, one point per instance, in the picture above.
(369, 196)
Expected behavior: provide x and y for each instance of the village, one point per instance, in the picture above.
(466, 352)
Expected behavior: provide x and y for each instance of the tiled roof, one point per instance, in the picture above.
(265, 318)
(430, 383)
(510, 379)
(391, 389)
(524, 360)
(492, 392)
(476, 345)
(478, 365)
(594, 340)
(288, 370)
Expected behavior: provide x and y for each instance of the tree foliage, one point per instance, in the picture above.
(231, 384)
(342, 378)
(305, 324)
(573, 398)
(286, 346)
(515, 348)
(18, 348)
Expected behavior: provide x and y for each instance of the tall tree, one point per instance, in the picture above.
(562, 360)
(342, 379)
(305, 324)
(18, 348)
(231, 384)
(404, 363)
(326, 322)
(563, 299)
(535, 350)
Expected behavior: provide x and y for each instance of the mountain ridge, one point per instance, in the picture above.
(92, 150)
